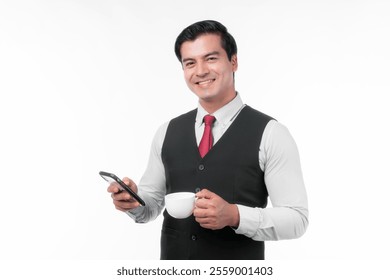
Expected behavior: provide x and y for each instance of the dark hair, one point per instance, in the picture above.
(193, 31)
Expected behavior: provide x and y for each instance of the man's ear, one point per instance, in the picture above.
(234, 62)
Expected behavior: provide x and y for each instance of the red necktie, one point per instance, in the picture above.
(207, 139)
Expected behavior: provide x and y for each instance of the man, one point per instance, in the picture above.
(252, 157)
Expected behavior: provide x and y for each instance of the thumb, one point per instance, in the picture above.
(130, 183)
(127, 181)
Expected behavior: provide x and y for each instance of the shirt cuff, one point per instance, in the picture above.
(135, 213)
(250, 220)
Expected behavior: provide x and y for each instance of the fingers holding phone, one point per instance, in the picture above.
(116, 188)
(123, 192)
(122, 200)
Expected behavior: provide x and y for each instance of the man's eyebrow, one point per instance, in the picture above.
(206, 55)
(187, 59)
(212, 53)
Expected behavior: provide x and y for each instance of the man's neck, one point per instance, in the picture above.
(213, 105)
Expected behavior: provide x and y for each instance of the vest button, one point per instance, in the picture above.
(193, 237)
(201, 167)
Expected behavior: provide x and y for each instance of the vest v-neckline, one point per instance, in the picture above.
(225, 135)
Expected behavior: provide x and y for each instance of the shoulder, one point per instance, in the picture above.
(254, 120)
(186, 116)
(277, 139)
(181, 122)
(159, 136)
(276, 130)
(248, 110)
(161, 131)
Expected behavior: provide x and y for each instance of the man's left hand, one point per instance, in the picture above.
(213, 212)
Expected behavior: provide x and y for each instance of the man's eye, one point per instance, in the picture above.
(189, 64)
(211, 58)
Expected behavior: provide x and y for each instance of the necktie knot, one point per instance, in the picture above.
(208, 120)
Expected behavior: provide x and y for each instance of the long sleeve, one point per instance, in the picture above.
(288, 216)
(152, 184)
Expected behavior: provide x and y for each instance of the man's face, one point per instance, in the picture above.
(207, 69)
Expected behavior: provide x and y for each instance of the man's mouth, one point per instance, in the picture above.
(205, 82)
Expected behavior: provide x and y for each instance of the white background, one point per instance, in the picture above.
(85, 84)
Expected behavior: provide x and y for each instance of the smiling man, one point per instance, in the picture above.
(232, 156)
(208, 71)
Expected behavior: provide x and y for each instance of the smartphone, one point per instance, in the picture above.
(110, 177)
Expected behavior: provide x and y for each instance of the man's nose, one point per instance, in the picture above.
(202, 69)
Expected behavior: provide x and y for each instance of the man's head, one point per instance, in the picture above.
(206, 27)
(208, 54)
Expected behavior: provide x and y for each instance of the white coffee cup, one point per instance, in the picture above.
(180, 204)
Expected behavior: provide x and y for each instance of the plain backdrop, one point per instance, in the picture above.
(85, 84)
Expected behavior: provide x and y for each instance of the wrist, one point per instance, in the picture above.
(235, 216)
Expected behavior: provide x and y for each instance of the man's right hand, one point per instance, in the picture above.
(122, 200)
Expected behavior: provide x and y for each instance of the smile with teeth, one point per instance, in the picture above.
(206, 82)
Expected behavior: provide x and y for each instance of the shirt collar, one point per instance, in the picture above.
(224, 114)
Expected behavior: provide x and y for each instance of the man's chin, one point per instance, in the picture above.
(206, 97)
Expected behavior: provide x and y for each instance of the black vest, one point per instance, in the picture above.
(230, 169)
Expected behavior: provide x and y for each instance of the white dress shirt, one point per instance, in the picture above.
(278, 159)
